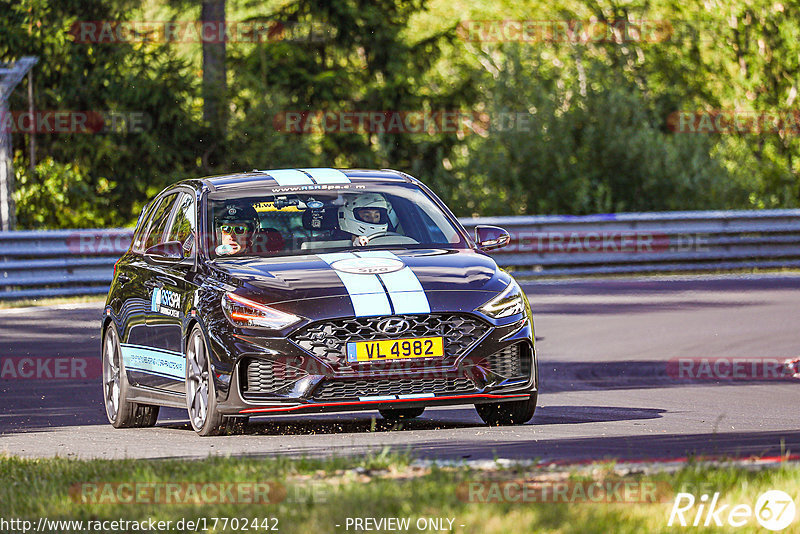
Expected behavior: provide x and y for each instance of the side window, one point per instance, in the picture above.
(141, 226)
(158, 221)
(434, 233)
(183, 223)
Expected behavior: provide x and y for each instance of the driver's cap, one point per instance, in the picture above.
(238, 214)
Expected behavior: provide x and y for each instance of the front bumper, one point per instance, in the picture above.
(347, 406)
(310, 384)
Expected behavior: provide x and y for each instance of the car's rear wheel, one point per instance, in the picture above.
(507, 413)
(398, 414)
(121, 412)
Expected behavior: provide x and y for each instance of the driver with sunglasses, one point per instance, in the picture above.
(235, 229)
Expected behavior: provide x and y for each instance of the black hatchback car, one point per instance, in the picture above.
(312, 290)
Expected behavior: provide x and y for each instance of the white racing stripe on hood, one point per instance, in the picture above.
(365, 290)
(403, 286)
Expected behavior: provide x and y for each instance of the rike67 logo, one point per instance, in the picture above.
(774, 510)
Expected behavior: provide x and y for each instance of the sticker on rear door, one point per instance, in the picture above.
(166, 302)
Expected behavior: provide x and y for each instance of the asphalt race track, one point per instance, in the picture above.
(606, 392)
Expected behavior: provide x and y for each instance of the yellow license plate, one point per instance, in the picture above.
(395, 349)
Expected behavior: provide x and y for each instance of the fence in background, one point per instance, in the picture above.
(80, 262)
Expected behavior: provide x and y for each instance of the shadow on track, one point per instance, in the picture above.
(74, 403)
(433, 419)
(667, 446)
(572, 415)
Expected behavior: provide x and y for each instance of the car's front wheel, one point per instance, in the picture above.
(507, 413)
(201, 397)
(401, 414)
(121, 412)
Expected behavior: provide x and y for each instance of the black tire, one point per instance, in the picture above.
(201, 395)
(507, 413)
(121, 412)
(398, 414)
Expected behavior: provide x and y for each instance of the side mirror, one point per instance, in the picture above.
(491, 237)
(171, 250)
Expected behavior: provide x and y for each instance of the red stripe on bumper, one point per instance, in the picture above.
(362, 403)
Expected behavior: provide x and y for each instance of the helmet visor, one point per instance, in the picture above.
(371, 215)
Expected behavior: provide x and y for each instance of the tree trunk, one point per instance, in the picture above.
(212, 18)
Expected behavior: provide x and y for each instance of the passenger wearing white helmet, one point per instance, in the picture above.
(365, 215)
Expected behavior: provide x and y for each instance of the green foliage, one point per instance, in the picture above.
(557, 147)
(362, 63)
(140, 79)
(62, 195)
(596, 138)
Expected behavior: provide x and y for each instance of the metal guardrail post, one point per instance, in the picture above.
(10, 75)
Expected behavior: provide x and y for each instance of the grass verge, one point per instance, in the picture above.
(317, 495)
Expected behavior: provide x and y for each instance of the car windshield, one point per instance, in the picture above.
(271, 222)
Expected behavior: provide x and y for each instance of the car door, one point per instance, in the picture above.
(131, 274)
(171, 292)
(146, 366)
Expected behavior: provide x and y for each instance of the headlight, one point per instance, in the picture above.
(508, 302)
(244, 312)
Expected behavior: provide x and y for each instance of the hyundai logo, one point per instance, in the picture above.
(393, 326)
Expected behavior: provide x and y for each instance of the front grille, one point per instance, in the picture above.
(510, 362)
(353, 389)
(328, 340)
(265, 376)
